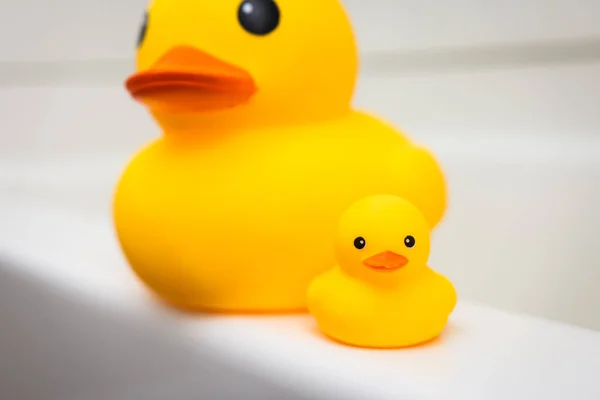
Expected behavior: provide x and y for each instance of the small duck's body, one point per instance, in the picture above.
(355, 312)
(382, 299)
(233, 207)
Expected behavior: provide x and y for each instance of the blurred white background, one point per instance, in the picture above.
(507, 93)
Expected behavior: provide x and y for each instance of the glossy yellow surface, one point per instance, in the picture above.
(402, 302)
(235, 209)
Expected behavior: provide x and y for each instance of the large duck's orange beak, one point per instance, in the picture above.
(187, 79)
(386, 262)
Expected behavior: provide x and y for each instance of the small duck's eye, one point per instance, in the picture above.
(409, 241)
(143, 31)
(259, 17)
(360, 243)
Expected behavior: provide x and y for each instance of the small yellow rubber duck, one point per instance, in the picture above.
(382, 294)
(233, 206)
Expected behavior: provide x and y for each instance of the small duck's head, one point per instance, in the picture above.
(244, 62)
(382, 239)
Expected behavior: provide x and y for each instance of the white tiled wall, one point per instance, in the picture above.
(34, 30)
(506, 92)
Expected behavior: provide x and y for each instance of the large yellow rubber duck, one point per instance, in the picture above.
(381, 292)
(233, 208)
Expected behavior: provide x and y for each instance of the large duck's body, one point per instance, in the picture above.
(235, 206)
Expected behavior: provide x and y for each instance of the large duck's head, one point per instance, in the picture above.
(244, 62)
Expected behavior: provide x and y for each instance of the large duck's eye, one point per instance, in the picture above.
(259, 17)
(360, 243)
(143, 31)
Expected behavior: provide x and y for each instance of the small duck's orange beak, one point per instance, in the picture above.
(386, 262)
(188, 79)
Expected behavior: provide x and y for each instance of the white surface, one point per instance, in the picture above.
(76, 322)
